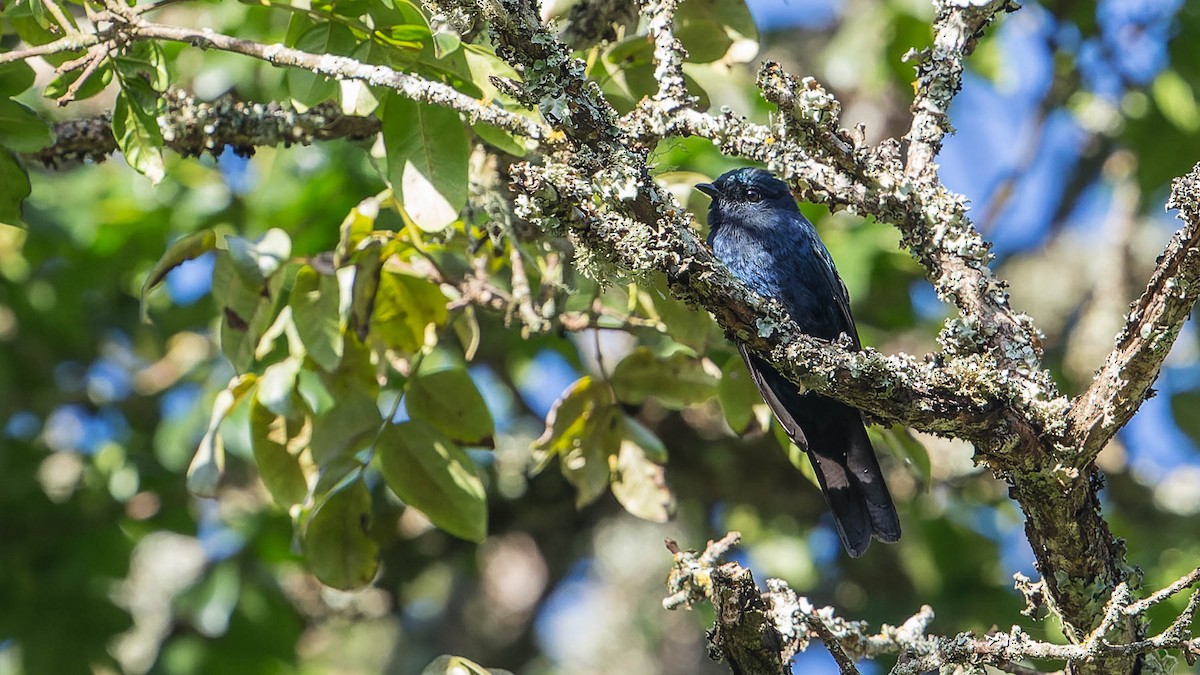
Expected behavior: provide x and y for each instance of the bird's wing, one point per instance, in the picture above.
(790, 424)
(841, 296)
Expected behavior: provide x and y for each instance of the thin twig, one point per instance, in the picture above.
(91, 62)
(1153, 599)
(845, 664)
(62, 19)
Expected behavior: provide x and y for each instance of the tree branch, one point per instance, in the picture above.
(925, 395)
(130, 26)
(1154, 322)
(192, 127)
(771, 627)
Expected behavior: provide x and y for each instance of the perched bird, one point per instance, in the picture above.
(759, 233)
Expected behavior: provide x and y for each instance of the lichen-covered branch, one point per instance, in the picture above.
(956, 398)
(756, 631)
(128, 26)
(192, 127)
(1154, 322)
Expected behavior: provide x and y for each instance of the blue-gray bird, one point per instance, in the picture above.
(759, 233)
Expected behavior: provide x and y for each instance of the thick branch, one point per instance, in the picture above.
(939, 398)
(1155, 320)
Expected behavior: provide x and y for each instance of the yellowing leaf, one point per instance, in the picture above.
(580, 430)
(639, 483)
(406, 307)
(457, 665)
(206, 468)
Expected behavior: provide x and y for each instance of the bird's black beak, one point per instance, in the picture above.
(709, 189)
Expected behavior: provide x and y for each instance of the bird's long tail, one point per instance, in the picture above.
(833, 435)
(849, 473)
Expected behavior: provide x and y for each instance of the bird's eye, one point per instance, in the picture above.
(753, 195)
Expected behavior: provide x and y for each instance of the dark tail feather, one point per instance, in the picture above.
(833, 435)
(849, 474)
(861, 461)
(826, 447)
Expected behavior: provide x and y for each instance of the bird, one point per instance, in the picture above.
(758, 232)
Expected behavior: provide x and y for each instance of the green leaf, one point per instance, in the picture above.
(307, 88)
(277, 466)
(500, 139)
(732, 16)
(15, 78)
(206, 468)
(96, 83)
(638, 482)
(737, 394)
(311, 387)
(259, 259)
(135, 127)
(677, 381)
(579, 429)
(14, 188)
(368, 268)
(315, 308)
(247, 309)
(635, 49)
(340, 431)
(407, 308)
(429, 472)
(406, 36)
(145, 60)
(21, 129)
(635, 432)
(336, 540)
(449, 400)
(1177, 101)
(704, 39)
(427, 155)
(445, 43)
(457, 665)
(686, 325)
(276, 386)
(185, 248)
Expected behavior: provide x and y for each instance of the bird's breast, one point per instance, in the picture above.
(786, 269)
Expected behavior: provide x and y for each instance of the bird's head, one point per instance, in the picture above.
(741, 194)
